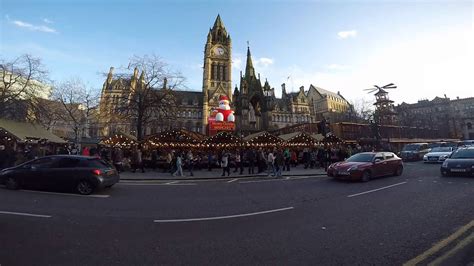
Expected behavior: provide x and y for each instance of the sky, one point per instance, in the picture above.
(425, 47)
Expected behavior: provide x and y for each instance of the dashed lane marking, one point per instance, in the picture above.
(156, 184)
(222, 217)
(233, 180)
(26, 214)
(66, 194)
(374, 190)
(172, 182)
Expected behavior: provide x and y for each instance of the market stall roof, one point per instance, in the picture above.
(318, 137)
(23, 132)
(175, 138)
(119, 139)
(299, 139)
(222, 139)
(263, 138)
(332, 139)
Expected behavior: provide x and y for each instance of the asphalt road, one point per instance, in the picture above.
(295, 221)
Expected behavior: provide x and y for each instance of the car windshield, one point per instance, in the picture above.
(361, 157)
(463, 154)
(441, 149)
(411, 147)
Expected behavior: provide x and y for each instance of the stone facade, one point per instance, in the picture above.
(453, 118)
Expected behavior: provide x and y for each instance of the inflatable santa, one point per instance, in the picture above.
(223, 112)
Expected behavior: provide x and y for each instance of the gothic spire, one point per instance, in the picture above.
(218, 22)
(249, 70)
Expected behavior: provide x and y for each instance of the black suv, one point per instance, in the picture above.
(82, 174)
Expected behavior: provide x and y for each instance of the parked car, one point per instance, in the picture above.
(367, 165)
(461, 162)
(82, 174)
(438, 154)
(414, 151)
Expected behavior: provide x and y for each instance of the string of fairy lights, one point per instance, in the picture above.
(177, 139)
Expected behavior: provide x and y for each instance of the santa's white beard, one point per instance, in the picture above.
(224, 106)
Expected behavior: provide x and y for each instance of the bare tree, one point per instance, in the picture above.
(76, 102)
(362, 110)
(152, 96)
(22, 80)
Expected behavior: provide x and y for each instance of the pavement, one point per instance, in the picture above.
(215, 173)
(414, 219)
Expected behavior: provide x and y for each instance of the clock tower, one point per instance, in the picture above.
(217, 71)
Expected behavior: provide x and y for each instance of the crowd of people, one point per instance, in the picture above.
(272, 161)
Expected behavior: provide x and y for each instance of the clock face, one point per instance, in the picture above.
(219, 51)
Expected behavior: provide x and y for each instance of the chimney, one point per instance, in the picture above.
(165, 83)
(283, 88)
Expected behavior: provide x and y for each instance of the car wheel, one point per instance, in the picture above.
(12, 183)
(84, 187)
(366, 176)
(399, 171)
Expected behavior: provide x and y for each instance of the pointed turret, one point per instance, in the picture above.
(249, 70)
(218, 22)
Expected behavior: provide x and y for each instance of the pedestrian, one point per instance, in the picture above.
(209, 161)
(179, 166)
(294, 158)
(169, 163)
(86, 151)
(137, 162)
(238, 162)
(225, 164)
(271, 164)
(287, 158)
(306, 158)
(190, 162)
(251, 160)
(313, 158)
(117, 158)
(279, 163)
(154, 159)
(262, 161)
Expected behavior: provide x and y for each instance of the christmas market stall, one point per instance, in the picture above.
(30, 140)
(332, 139)
(120, 140)
(299, 139)
(222, 140)
(174, 139)
(263, 140)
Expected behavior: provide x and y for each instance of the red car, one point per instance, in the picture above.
(367, 165)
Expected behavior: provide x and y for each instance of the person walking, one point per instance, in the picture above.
(251, 160)
(279, 163)
(294, 158)
(190, 162)
(137, 162)
(287, 158)
(169, 163)
(271, 164)
(225, 164)
(238, 162)
(179, 166)
(313, 158)
(117, 158)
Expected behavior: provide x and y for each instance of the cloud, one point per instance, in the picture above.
(48, 21)
(337, 67)
(263, 62)
(237, 63)
(347, 34)
(29, 26)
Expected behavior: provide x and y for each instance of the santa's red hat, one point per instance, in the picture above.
(223, 98)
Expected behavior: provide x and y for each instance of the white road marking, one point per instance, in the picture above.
(233, 180)
(172, 182)
(157, 184)
(66, 194)
(221, 217)
(258, 181)
(373, 190)
(26, 214)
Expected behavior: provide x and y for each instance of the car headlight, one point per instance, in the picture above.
(445, 164)
(352, 168)
(444, 156)
(425, 156)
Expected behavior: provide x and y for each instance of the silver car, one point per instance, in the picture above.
(438, 154)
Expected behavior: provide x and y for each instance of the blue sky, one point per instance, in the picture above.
(424, 47)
